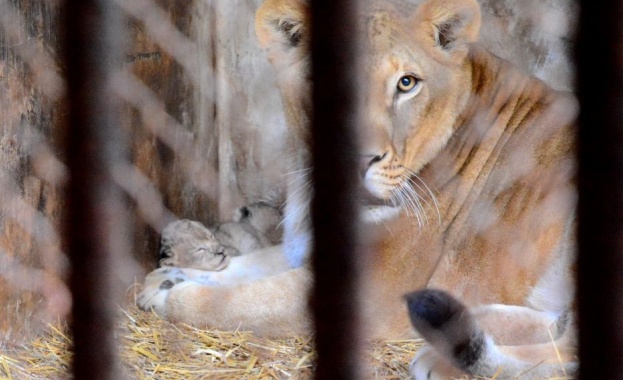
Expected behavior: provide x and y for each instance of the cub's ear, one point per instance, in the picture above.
(281, 26)
(453, 23)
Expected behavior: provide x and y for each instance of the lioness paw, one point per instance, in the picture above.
(430, 365)
(159, 283)
(156, 289)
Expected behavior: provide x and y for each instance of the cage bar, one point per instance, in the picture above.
(334, 148)
(600, 211)
(93, 217)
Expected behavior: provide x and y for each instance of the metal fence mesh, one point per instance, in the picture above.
(202, 121)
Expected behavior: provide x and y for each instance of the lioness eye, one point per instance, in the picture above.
(407, 83)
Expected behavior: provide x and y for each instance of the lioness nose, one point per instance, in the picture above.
(367, 160)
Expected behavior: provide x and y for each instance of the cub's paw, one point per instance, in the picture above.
(428, 364)
(156, 289)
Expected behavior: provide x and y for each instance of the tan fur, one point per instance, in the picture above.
(254, 227)
(487, 149)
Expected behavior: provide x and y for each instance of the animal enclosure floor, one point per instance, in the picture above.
(151, 348)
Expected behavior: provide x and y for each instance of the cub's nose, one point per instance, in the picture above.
(368, 160)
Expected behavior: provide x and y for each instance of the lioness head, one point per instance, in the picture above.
(417, 79)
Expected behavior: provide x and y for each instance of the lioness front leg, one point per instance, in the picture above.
(258, 291)
(271, 306)
(428, 364)
(159, 282)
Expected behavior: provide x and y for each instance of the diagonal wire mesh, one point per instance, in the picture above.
(204, 128)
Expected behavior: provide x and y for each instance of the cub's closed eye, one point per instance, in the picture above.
(407, 83)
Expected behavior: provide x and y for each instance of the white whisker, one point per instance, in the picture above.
(413, 205)
(298, 186)
(409, 202)
(411, 178)
(292, 213)
(416, 199)
(304, 170)
(411, 181)
(385, 224)
(306, 186)
(296, 179)
(432, 195)
(422, 202)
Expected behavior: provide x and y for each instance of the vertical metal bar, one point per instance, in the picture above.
(334, 214)
(600, 149)
(93, 144)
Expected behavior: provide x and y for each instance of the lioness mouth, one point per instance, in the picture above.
(366, 199)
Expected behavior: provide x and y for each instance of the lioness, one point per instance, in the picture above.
(478, 151)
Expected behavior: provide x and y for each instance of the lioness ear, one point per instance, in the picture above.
(281, 25)
(454, 22)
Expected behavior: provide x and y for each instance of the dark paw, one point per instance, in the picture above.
(447, 324)
(432, 307)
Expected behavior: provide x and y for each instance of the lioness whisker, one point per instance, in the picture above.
(425, 189)
(403, 198)
(302, 187)
(413, 203)
(304, 170)
(298, 178)
(292, 214)
(417, 199)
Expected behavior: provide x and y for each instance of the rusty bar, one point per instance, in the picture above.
(600, 211)
(94, 143)
(334, 214)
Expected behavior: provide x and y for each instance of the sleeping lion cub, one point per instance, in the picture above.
(469, 174)
(189, 244)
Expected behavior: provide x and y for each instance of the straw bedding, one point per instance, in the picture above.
(151, 348)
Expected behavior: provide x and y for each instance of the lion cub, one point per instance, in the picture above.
(189, 244)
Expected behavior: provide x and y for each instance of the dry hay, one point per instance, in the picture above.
(151, 348)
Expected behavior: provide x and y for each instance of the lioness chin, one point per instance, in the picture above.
(469, 179)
